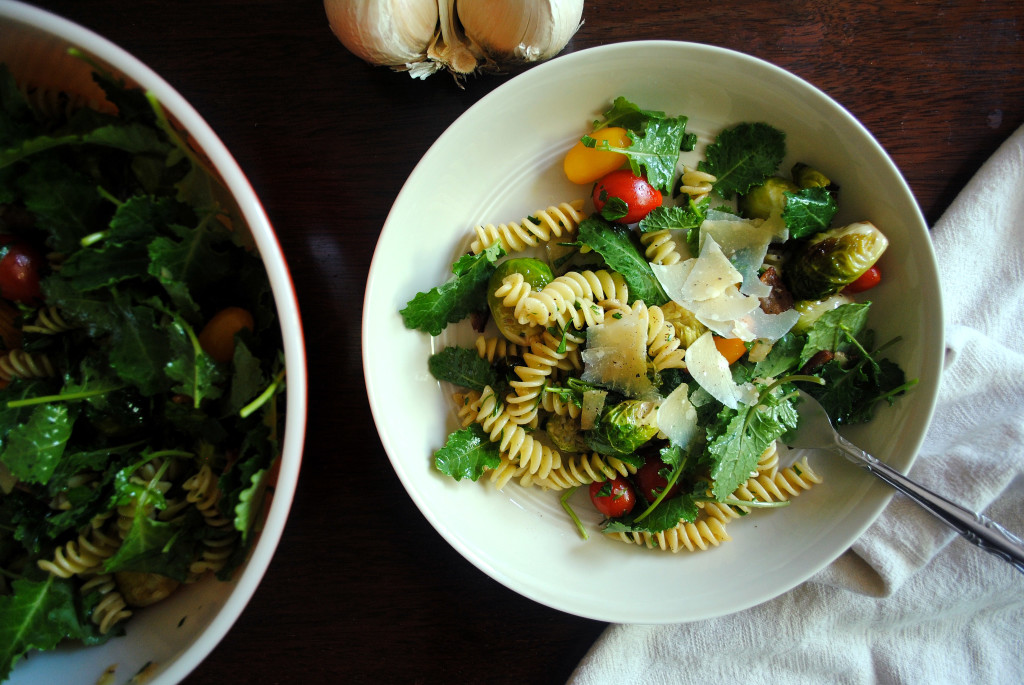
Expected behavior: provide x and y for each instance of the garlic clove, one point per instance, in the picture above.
(451, 46)
(395, 33)
(520, 30)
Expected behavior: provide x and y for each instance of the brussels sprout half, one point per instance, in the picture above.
(624, 428)
(833, 259)
(536, 273)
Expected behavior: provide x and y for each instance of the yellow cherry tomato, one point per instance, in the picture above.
(586, 164)
(218, 335)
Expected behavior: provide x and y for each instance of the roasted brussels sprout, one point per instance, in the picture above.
(806, 176)
(142, 589)
(624, 428)
(565, 434)
(811, 310)
(833, 259)
(536, 273)
(767, 199)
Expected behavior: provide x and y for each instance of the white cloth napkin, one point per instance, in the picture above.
(911, 601)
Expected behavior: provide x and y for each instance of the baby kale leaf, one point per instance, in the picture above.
(467, 454)
(740, 436)
(462, 366)
(459, 296)
(808, 211)
(743, 157)
(615, 245)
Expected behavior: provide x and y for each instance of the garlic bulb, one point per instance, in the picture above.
(463, 36)
(520, 30)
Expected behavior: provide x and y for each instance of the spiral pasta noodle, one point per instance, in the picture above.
(111, 608)
(555, 221)
(494, 348)
(697, 184)
(49, 322)
(574, 297)
(513, 439)
(542, 359)
(582, 469)
(660, 248)
(705, 532)
(84, 555)
(663, 345)
(21, 364)
(204, 492)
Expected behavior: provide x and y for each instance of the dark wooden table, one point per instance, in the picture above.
(362, 587)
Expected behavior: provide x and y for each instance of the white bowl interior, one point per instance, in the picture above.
(178, 633)
(500, 162)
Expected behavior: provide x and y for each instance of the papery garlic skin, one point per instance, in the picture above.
(520, 30)
(394, 33)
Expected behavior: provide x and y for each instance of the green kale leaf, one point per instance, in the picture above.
(459, 296)
(615, 245)
(834, 329)
(808, 211)
(739, 437)
(743, 157)
(464, 367)
(467, 454)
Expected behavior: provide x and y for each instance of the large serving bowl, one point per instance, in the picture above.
(176, 634)
(500, 162)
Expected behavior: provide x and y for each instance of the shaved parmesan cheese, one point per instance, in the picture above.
(721, 287)
(677, 417)
(616, 355)
(711, 274)
(710, 370)
(593, 405)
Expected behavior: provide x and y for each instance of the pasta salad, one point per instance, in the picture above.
(140, 368)
(646, 340)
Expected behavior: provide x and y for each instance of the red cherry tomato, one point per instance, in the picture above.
(639, 195)
(869, 279)
(19, 271)
(651, 483)
(613, 497)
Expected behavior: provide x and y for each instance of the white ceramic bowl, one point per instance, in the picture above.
(500, 162)
(35, 42)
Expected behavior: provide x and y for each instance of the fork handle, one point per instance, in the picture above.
(977, 528)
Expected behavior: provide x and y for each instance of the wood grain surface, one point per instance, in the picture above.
(362, 589)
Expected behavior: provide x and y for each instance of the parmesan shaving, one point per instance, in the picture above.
(710, 370)
(616, 355)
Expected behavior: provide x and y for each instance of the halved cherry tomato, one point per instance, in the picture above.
(868, 280)
(639, 195)
(587, 164)
(730, 348)
(613, 497)
(650, 482)
(19, 271)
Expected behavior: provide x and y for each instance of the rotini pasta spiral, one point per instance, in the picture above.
(494, 348)
(111, 608)
(84, 555)
(582, 469)
(779, 487)
(21, 364)
(555, 221)
(572, 297)
(48, 321)
(539, 363)
(204, 492)
(514, 441)
(660, 248)
(663, 346)
(699, 535)
(696, 184)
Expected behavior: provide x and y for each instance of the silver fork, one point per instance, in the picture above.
(815, 431)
